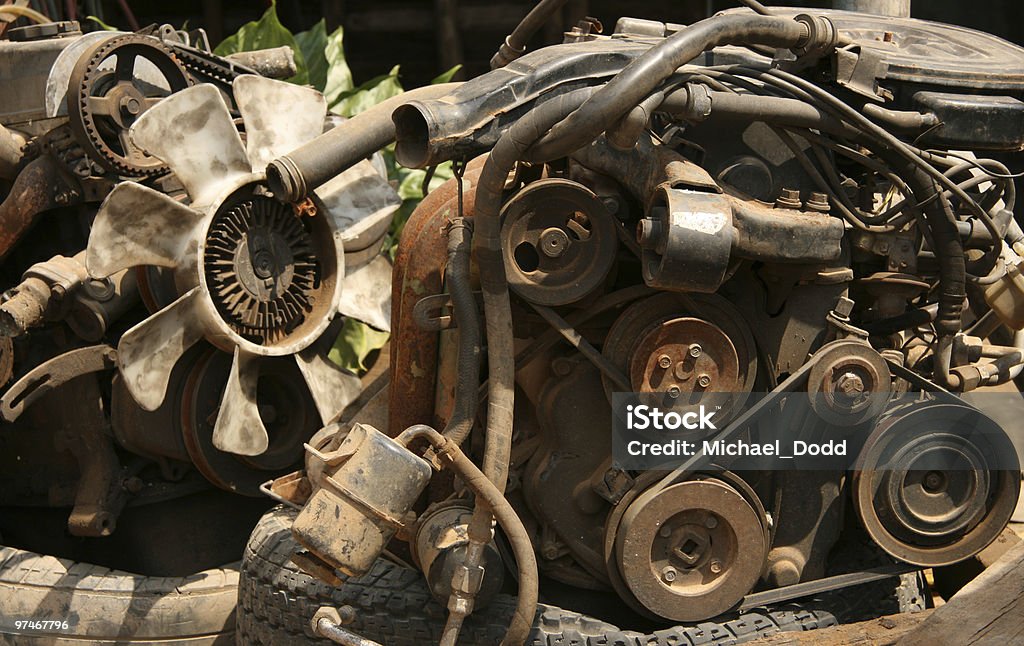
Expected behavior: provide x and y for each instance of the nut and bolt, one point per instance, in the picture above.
(850, 383)
(789, 198)
(704, 381)
(668, 575)
(819, 202)
(696, 350)
(715, 566)
(665, 362)
(562, 366)
(844, 307)
(553, 242)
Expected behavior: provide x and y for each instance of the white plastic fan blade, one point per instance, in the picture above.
(149, 351)
(360, 204)
(193, 133)
(239, 429)
(366, 294)
(279, 117)
(332, 388)
(136, 225)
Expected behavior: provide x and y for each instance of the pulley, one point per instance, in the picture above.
(558, 241)
(936, 482)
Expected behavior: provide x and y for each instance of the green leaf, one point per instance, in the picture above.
(354, 345)
(265, 33)
(338, 79)
(447, 76)
(368, 94)
(312, 44)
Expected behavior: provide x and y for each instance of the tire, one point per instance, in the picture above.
(104, 606)
(393, 606)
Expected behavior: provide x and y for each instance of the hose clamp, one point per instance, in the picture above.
(822, 36)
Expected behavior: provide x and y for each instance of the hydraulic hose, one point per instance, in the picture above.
(467, 319)
(486, 491)
(515, 43)
(640, 78)
(949, 251)
(293, 176)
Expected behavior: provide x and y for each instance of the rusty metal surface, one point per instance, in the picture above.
(691, 550)
(32, 193)
(418, 272)
(53, 374)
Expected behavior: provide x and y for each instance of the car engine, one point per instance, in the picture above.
(805, 219)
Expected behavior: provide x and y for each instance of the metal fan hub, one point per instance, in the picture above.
(263, 274)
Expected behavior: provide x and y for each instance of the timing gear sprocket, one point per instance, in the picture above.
(104, 101)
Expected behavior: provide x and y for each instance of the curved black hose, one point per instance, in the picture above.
(640, 78)
(466, 316)
(949, 248)
(515, 43)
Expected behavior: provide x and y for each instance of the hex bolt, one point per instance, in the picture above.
(696, 350)
(674, 392)
(716, 566)
(850, 383)
(819, 202)
(668, 575)
(789, 198)
(665, 362)
(704, 381)
(711, 522)
(844, 307)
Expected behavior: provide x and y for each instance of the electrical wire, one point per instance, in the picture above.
(24, 12)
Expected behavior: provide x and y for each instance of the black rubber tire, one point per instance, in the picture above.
(393, 606)
(104, 606)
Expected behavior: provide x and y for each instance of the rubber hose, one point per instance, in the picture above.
(519, 538)
(467, 383)
(640, 78)
(515, 43)
(293, 176)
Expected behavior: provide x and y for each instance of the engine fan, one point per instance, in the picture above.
(256, 278)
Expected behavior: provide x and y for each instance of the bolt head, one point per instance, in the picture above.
(665, 362)
(716, 566)
(674, 392)
(704, 381)
(668, 575)
(696, 350)
(711, 522)
(850, 383)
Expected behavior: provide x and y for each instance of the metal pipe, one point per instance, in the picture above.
(32, 193)
(896, 8)
(293, 176)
